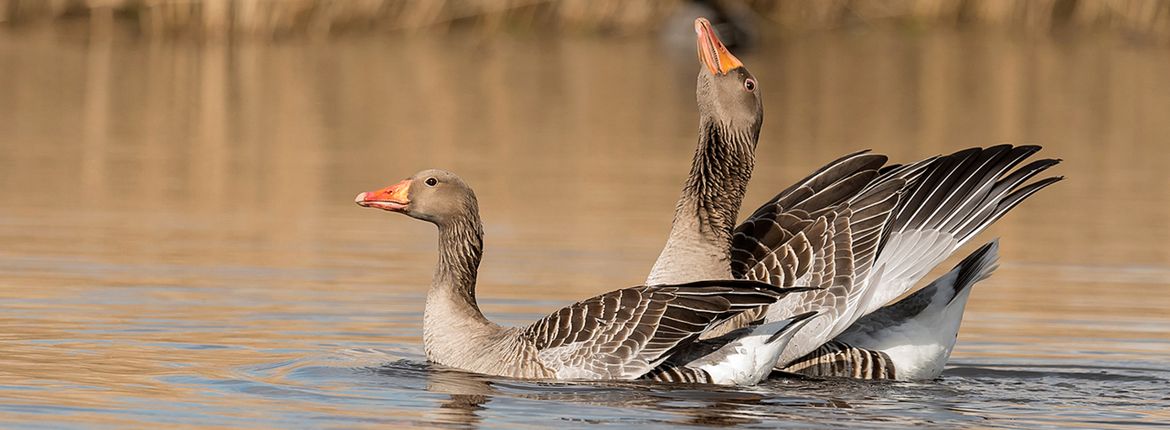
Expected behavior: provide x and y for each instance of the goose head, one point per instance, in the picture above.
(727, 93)
(435, 196)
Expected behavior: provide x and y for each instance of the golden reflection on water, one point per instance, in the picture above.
(177, 216)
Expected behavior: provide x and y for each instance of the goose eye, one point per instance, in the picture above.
(432, 181)
(749, 84)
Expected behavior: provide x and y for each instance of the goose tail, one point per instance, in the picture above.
(929, 319)
(976, 267)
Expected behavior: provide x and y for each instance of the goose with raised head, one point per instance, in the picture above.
(885, 226)
(648, 332)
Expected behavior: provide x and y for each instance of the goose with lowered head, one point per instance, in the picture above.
(645, 332)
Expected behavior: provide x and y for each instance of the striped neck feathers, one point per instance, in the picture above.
(452, 293)
(720, 172)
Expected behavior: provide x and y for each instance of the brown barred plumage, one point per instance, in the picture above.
(839, 359)
(625, 333)
(678, 374)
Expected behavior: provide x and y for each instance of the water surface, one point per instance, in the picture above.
(178, 242)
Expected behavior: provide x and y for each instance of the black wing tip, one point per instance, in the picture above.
(725, 283)
(864, 153)
(790, 290)
(1029, 148)
(1025, 150)
(748, 284)
(969, 152)
(1043, 163)
(796, 322)
(1043, 182)
(781, 291)
(804, 316)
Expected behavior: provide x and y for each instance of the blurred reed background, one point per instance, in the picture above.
(213, 19)
(179, 243)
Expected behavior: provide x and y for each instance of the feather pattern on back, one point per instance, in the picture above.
(626, 333)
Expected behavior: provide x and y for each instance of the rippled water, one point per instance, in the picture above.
(178, 242)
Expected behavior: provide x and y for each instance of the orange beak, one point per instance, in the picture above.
(393, 198)
(712, 52)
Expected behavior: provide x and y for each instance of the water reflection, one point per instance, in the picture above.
(178, 233)
(468, 396)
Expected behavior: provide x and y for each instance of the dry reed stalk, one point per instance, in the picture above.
(272, 18)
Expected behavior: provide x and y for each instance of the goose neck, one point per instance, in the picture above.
(720, 172)
(452, 293)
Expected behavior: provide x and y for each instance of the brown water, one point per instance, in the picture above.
(178, 242)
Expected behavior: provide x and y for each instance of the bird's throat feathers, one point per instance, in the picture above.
(720, 172)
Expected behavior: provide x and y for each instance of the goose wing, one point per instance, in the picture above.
(893, 224)
(853, 231)
(955, 198)
(626, 333)
(781, 244)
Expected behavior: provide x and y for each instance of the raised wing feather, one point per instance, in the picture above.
(890, 225)
(956, 197)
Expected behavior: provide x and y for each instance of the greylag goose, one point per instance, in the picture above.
(885, 226)
(648, 332)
